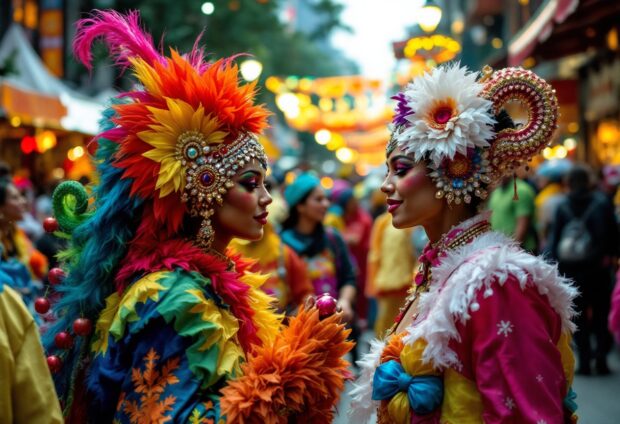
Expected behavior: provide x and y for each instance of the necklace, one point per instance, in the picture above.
(429, 258)
(230, 264)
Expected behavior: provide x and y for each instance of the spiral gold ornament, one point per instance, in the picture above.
(511, 147)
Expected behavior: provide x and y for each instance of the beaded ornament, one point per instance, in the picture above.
(446, 118)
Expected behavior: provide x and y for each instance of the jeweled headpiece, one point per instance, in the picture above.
(184, 133)
(448, 116)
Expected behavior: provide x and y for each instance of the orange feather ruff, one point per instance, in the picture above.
(300, 376)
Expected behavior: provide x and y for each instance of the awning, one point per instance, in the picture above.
(539, 28)
(37, 96)
(31, 107)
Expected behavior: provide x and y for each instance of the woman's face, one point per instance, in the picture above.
(244, 211)
(315, 206)
(410, 191)
(14, 206)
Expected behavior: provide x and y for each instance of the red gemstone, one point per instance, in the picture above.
(326, 305)
(54, 363)
(443, 115)
(41, 305)
(63, 340)
(82, 326)
(50, 224)
(55, 276)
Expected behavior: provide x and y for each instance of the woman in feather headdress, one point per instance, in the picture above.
(156, 323)
(484, 335)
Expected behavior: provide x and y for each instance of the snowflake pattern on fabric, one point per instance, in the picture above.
(504, 327)
(539, 378)
(541, 422)
(510, 403)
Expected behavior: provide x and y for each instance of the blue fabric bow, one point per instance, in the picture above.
(425, 392)
(569, 401)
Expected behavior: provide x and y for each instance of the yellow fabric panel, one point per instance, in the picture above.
(461, 401)
(568, 359)
(411, 359)
(399, 410)
(27, 394)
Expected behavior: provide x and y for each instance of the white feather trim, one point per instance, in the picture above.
(490, 258)
(362, 405)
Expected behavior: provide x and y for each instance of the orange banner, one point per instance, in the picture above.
(30, 106)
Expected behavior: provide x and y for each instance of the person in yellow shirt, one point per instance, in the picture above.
(391, 264)
(27, 394)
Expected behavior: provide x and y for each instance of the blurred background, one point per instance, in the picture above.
(327, 70)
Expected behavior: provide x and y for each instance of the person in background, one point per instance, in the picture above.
(288, 278)
(392, 262)
(514, 211)
(27, 394)
(323, 249)
(357, 225)
(17, 252)
(29, 222)
(592, 272)
(549, 179)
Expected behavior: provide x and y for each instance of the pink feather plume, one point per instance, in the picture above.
(122, 33)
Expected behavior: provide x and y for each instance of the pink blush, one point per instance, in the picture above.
(413, 181)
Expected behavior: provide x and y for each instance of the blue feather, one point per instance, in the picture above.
(96, 249)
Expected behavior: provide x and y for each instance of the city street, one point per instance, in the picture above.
(597, 397)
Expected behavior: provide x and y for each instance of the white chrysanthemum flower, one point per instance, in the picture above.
(449, 114)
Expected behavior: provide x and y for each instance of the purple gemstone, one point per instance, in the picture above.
(206, 178)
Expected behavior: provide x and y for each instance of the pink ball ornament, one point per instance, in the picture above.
(55, 276)
(82, 326)
(326, 305)
(41, 305)
(50, 224)
(54, 363)
(63, 340)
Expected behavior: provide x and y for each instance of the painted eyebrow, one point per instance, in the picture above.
(250, 173)
(400, 157)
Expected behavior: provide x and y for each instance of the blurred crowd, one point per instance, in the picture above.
(337, 238)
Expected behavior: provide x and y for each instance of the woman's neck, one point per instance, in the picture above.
(443, 222)
(305, 225)
(220, 244)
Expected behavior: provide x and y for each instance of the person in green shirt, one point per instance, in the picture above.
(515, 216)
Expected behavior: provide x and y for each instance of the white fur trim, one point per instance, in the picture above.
(362, 405)
(490, 258)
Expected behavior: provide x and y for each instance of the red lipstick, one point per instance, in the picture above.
(262, 218)
(393, 204)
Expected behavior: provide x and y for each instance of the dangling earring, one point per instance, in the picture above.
(206, 235)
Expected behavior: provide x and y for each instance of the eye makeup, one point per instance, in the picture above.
(249, 180)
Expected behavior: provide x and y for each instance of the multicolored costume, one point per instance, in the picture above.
(490, 324)
(182, 333)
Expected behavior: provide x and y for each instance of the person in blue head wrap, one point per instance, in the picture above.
(323, 249)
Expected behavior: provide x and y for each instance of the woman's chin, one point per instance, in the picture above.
(254, 235)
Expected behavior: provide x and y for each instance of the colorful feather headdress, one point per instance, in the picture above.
(449, 115)
(184, 133)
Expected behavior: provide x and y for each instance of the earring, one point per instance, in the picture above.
(206, 234)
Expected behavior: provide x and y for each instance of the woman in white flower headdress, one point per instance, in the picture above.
(484, 334)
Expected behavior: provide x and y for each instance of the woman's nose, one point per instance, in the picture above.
(387, 186)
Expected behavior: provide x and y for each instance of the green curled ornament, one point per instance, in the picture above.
(70, 202)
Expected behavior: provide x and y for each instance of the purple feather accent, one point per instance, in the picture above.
(122, 33)
(402, 110)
